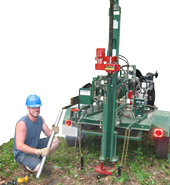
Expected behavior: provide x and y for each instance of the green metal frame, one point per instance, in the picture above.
(109, 137)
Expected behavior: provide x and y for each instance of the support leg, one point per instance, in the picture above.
(104, 170)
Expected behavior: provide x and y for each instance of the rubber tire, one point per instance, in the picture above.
(71, 140)
(162, 147)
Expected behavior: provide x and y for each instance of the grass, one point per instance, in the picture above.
(7, 163)
(141, 168)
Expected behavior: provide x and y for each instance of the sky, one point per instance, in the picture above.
(48, 48)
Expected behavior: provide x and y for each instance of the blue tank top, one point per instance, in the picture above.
(32, 134)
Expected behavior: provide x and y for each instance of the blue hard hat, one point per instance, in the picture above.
(33, 101)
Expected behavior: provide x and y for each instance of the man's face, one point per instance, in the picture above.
(34, 112)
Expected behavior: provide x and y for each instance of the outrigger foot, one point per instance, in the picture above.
(104, 170)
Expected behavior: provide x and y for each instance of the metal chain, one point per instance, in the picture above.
(125, 147)
(75, 143)
(80, 139)
(79, 128)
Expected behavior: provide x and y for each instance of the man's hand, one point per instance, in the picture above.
(56, 129)
(43, 151)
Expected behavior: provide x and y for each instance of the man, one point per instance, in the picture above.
(28, 146)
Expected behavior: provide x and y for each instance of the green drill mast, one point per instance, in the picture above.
(109, 139)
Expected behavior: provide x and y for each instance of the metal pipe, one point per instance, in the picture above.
(111, 27)
(49, 144)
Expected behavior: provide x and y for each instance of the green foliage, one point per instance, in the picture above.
(75, 176)
(142, 166)
(7, 163)
(69, 166)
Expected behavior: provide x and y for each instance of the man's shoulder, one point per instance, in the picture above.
(24, 118)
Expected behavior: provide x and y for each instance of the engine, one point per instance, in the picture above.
(145, 87)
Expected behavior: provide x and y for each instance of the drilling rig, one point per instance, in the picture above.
(119, 104)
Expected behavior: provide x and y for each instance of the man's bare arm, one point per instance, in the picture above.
(45, 129)
(21, 131)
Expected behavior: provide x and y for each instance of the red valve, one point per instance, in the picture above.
(130, 96)
(74, 109)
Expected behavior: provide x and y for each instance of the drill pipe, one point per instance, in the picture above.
(49, 145)
(111, 27)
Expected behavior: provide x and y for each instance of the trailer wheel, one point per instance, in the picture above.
(162, 147)
(71, 140)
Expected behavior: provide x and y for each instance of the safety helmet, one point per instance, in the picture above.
(33, 101)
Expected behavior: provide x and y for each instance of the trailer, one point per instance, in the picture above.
(119, 104)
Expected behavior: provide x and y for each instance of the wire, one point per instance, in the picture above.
(54, 180)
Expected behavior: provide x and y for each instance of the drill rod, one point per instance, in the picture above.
(49, 145)
(111, 27)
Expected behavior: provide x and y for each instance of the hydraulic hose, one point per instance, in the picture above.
(124, 59)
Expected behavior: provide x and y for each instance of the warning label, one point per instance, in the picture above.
(85, 92)
(109, 68)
